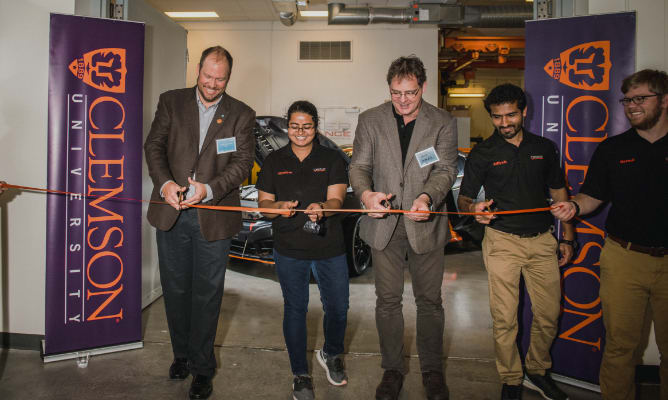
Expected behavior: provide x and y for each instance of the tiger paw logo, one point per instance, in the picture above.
(103, 69)
(585, 66)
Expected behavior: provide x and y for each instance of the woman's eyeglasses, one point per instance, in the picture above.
(303, 128)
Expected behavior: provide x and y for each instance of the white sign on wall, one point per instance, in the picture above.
(339, 123)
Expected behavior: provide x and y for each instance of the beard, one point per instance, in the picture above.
(210, 99)
(651, 119)
(511, 134)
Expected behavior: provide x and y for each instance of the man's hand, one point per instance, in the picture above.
(374, 201)
(287, 205)
(482, 206)
(419, 204)
(563, 210)
(200, 193)
(314, 212)
(566, 251)
(171, 192)
(2, 186)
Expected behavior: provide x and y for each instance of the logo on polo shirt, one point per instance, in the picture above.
(284, 173)
(627, 161)
(538, 157)
(497, 163)
(319, 169)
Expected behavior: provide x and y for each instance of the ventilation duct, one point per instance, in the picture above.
(445, 15)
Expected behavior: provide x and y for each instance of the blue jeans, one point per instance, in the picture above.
(294, 274)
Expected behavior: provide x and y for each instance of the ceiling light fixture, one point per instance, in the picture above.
(305, 13)
(192, 14)
(466, 94)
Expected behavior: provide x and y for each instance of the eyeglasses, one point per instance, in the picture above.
(410, 95)
(636, 99)
(303, 128)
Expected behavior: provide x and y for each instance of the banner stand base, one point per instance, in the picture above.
(574, 382)
(83, 356)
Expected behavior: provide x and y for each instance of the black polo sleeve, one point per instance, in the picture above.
(338, 171)
(475, 171)
(555, 177)
(265, 179)
(596, 182)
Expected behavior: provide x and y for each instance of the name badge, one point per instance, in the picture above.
(426, 157)
(226, 145)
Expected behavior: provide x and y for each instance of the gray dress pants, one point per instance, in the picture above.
(427, 277)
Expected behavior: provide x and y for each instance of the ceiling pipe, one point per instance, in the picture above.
(339, 14)
(502, 16)
(445, 15)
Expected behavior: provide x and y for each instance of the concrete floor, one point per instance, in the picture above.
(253, 363)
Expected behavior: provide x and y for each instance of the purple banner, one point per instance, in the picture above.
(574, 70)
(93, 252)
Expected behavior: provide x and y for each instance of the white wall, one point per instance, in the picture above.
(24, 44)
(164, 69)
(268, 76)
(651, 28)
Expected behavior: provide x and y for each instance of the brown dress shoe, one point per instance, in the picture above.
(390, 385)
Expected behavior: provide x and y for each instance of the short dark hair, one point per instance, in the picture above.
(506, 93)
(306, 107)
(220, 52)
(656, 80)
(406, 67)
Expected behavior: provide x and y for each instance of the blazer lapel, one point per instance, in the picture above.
(420, 130)
(217, 122)
(191, 117)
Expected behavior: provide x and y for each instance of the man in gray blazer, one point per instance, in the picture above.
(199, 150)
(405, 154)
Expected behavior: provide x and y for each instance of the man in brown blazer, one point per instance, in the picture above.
(199, 150)
(405, 155)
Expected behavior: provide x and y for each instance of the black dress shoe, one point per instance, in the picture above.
(179, 370)
(390, 385)
(434, 385)
(201, 387)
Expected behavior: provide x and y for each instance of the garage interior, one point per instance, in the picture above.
(474, 54)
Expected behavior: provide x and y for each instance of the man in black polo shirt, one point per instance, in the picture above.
(519, 170)
(630, 171)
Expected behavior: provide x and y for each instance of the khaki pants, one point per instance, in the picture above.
(631, 282)
(506, 256)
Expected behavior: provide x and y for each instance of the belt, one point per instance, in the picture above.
(530, 235)
(652, 251)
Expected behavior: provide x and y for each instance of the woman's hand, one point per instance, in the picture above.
(314, 211)
(287, 205)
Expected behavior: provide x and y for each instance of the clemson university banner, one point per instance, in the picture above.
(574, 70)
(93, 252)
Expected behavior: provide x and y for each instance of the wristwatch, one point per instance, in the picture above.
(571, 243)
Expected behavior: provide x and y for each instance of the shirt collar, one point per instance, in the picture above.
(314, 149)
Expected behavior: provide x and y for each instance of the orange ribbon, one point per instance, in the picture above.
(286, 212)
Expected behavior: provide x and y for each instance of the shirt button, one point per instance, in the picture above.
(401, 184)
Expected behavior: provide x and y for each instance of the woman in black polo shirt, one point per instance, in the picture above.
(306, 175)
